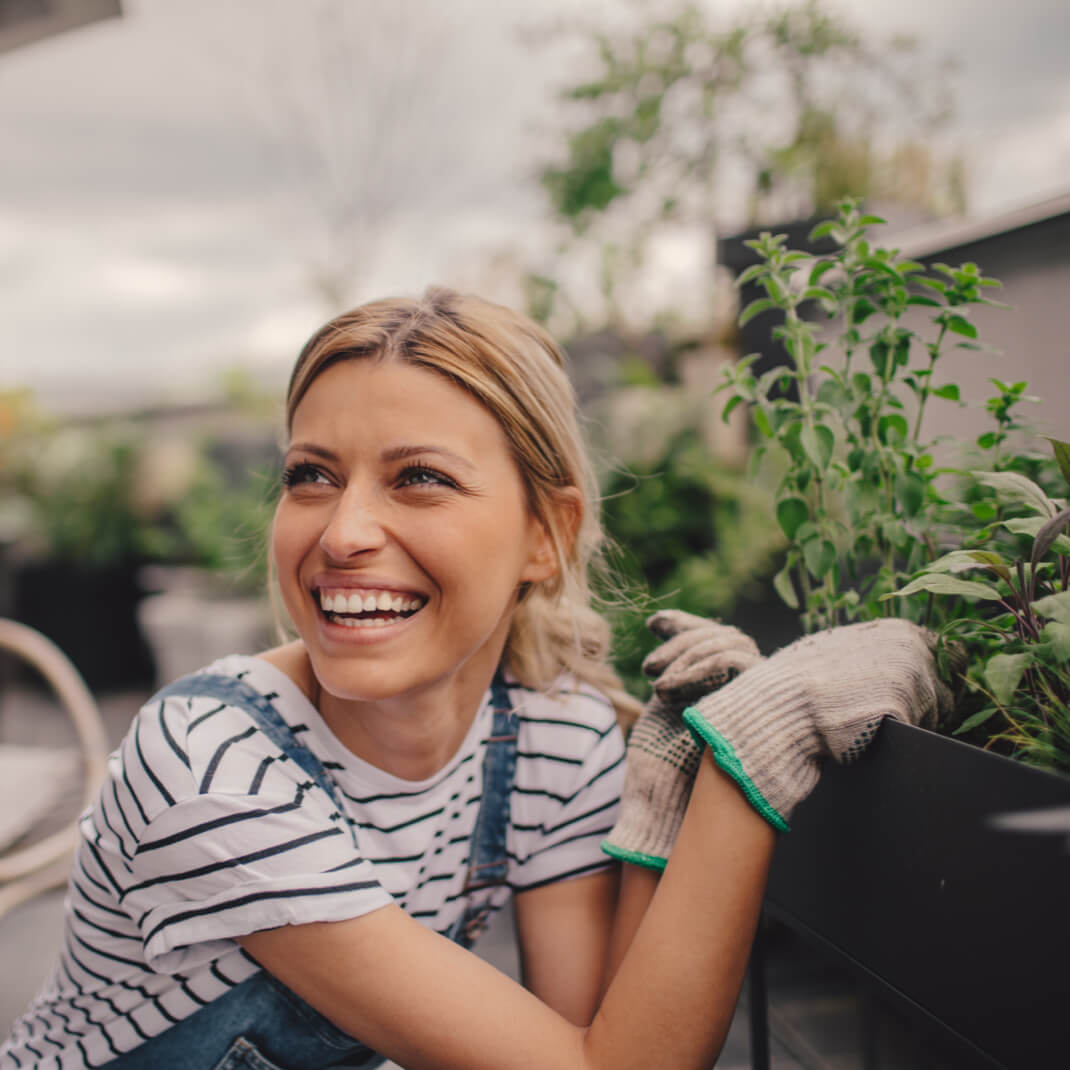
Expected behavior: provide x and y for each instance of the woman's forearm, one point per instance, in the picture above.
(677, 983)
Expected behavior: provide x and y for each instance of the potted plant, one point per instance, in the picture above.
(208, 593)
(80, 543)
(936, 869)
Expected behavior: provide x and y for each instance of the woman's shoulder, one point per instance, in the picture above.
(570, 711)
(199, 730)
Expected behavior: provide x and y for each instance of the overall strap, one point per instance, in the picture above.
(244, 696)
(488, 861)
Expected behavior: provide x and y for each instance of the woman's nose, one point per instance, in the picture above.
(354, 527)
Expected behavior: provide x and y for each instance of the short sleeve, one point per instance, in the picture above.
(570, 772)
(216, 866)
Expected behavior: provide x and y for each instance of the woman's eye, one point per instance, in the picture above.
(302, 473)
(418, 475)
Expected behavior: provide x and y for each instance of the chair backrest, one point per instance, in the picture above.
(39, 774)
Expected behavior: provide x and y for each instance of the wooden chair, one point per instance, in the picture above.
(35, 781)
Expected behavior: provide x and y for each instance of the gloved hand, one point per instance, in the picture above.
(823, 696)
(663, 756)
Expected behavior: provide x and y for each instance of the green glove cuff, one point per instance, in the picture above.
(725, 756)
(636, 858)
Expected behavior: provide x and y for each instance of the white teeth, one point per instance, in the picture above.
(354, 603)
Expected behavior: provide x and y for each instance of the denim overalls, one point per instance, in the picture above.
(260, 1023)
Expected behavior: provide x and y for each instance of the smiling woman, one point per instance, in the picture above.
(292, 853)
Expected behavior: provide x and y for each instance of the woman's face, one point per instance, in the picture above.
(403, 531)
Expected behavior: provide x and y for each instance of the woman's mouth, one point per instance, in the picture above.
(367, 608)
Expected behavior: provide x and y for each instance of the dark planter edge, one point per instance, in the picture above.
(901, 868)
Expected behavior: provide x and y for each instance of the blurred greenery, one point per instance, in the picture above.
(687, 532)
(118, 492)
(792, 102)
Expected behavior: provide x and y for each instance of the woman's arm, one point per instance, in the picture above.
(426, 1003)
(563, 932)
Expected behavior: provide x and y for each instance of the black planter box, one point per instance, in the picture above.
(91, 615)
(926, 869)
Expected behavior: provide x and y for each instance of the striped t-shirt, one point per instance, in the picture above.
(203, 832)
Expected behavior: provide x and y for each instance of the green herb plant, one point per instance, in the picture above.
(1021, 667)
(863, 502)
(860, 495)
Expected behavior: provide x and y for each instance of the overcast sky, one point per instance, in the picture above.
(166, 179)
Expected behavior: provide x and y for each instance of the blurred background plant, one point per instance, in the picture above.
(691, 117)
(99, 512)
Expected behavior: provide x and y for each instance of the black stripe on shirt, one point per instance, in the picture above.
(258, 780)
(169, 739)
(230, 863)
(217, 757)
(543, 830)
(558, 722)
(220, 822)
(165, 794)
(259, 897)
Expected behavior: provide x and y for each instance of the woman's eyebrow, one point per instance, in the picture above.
(310, 447)
(403, 453)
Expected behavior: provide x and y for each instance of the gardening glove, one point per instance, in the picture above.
(823, 696)
(663, 757)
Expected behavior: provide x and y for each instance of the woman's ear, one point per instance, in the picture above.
(543, 560)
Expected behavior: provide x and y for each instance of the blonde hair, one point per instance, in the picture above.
(517, 372)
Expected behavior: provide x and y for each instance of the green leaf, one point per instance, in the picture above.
(791, 514)
(818, 270)
(920, 299)
(755, 308)
(818, 293)
(892, 429)
(1056, 634)
(910, 492)
(785, 588)
(790, 439)
(1018, 488)
(939, 583)
(869, 220)
(753, 272)
(761, 421)
(984, 510)
(729, 406)
(818, 442)
(1003, 673)
(961, 325)
(1047, 535)
(823, 230)
(1054, 607)
(961, 560)
(1031, 525)
(820, 556)
(1062, 456)
(833, 393)
(949, 391)
(974, 720)
(861, 310)
(988, 440)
